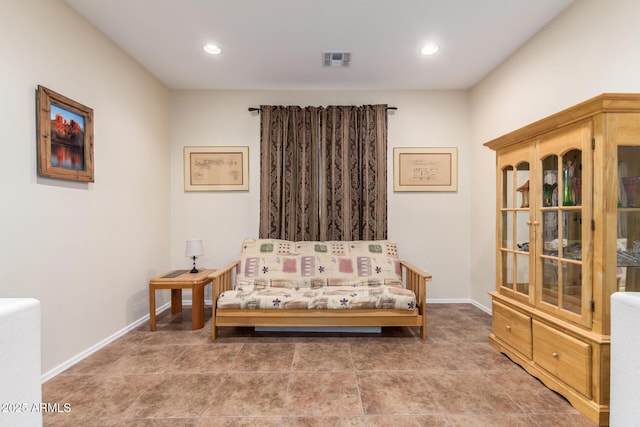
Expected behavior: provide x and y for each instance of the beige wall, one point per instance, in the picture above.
(85, 251)
(432, 229)
(589, 49)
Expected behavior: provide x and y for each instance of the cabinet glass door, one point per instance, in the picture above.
(561, 231)
(628, 242)
(515, 222)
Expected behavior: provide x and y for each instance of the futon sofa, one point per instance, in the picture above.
(334, 283)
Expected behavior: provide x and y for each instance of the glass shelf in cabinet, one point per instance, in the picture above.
(628, 259)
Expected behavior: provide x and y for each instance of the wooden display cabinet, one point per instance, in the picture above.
(567, 237)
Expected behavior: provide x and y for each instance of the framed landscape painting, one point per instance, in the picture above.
(65, 137)
(216, 168)
(425, 169)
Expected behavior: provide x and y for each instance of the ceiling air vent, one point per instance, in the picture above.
(337, 59)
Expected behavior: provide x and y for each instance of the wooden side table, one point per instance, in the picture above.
(177, 280)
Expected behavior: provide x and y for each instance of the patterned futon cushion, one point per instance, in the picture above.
(280, 274)
(313, 264)
(326, 297)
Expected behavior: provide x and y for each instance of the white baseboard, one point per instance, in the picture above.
(187, 303)
(67, 364)
(481, 307)
(459, 301)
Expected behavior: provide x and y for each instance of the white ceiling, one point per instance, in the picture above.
(278, 44)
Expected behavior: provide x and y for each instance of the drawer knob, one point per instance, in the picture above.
(508, 328)
(554, 354)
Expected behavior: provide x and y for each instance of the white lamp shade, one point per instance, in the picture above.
(194, 248)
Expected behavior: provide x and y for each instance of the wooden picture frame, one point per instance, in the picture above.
(65, 137)
(425, 169)
(216, 168)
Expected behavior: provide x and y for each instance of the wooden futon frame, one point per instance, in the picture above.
(414, 279)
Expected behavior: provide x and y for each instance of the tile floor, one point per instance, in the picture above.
(177, 377)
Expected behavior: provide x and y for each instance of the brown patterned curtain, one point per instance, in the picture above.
(354, 159)
(323, 173)
(289, 199)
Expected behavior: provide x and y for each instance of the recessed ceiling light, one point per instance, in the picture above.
(212, 49)
(429, 49)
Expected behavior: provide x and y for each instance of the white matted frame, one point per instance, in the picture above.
(216, 168)
(425, 169)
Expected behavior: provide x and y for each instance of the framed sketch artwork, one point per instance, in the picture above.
(216, 168)
(425, 169)
(65, 137)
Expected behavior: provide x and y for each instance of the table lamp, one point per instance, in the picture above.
(193, 250)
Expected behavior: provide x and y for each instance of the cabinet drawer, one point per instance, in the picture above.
(512, 327)
(563, 356)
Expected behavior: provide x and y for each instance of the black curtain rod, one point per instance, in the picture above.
(252, 109)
